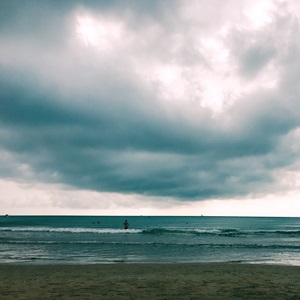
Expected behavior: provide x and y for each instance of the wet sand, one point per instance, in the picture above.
(150, 281)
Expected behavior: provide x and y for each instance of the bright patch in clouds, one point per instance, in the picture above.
(96, 32)
(259, 13)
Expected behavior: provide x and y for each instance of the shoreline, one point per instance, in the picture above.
(124, 264)
(150, 281)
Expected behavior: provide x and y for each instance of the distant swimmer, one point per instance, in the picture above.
(125, 224)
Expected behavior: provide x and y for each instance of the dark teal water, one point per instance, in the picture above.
(88, 240)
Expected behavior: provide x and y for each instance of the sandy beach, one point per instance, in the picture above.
(150, 281)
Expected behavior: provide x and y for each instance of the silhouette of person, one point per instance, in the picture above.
(125, 224)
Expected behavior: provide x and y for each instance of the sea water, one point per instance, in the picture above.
(92, 239)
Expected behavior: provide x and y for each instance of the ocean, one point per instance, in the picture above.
(153, 239)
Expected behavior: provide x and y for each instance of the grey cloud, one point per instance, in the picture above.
(93, 123)
(133, 155)
(256, 58)
(253, 50)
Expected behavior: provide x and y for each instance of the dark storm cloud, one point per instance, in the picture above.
(77, 117)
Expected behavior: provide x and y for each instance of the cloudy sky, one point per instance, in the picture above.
(150, 107)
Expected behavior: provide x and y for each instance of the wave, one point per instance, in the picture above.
(179, 245)
(69, 230)
(160, 231)
(149, 231)
(227, 232)
(219, 232)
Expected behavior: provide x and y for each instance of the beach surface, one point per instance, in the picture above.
(150, 281)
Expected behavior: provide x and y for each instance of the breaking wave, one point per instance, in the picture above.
(229, 232)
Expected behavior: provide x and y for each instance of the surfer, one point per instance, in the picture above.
(125, 224)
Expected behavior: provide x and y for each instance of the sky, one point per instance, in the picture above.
(145, 107)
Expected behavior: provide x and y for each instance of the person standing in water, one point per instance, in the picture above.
(125, 224)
